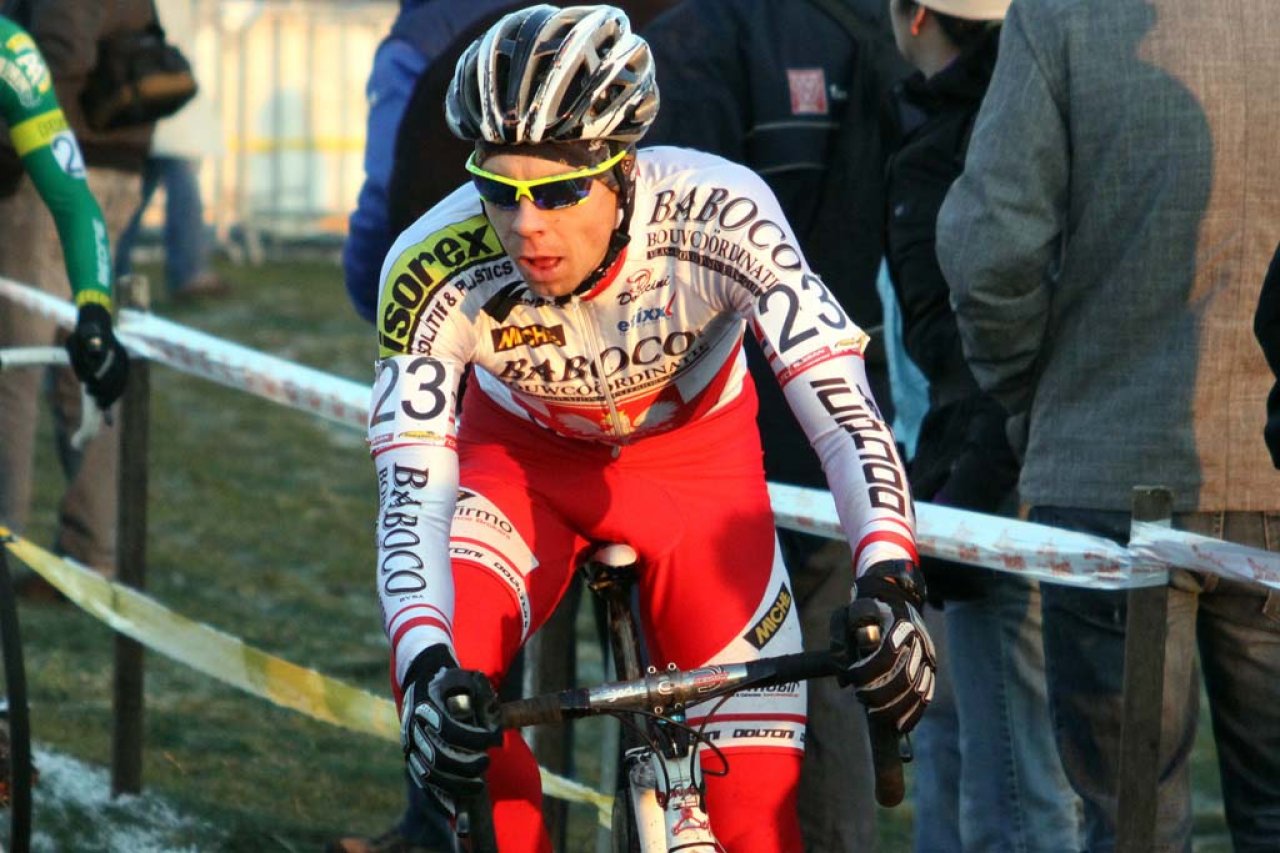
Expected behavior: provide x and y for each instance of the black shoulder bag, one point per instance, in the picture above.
(139, 78)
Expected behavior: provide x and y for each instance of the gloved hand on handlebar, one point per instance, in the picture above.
(98, 359)
(894, 681)
(447, 721)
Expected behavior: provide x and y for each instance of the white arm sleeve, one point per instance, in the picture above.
(816, 353)
(412, 439)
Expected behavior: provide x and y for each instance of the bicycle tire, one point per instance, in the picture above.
(625, 837)
(616, 589)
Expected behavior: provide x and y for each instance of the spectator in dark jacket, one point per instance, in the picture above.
(1266, 325)
(987, 790)
(794, 89)
(419, 33)
(68, 33)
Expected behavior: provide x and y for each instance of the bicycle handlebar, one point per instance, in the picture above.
(32, 357)
(663, 691)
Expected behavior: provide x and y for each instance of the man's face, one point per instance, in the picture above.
(554, 249)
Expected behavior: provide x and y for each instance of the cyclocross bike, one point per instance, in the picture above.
(659, 804)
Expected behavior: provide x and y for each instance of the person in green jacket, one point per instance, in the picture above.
(49, 152)
(43, 165)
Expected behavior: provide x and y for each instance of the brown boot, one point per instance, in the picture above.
(205, 286)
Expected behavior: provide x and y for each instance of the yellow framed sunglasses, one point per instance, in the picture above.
(554, 192)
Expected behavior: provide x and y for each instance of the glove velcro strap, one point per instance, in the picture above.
(892, 581)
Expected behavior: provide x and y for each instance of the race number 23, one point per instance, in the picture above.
(418, 394)
(828, 311)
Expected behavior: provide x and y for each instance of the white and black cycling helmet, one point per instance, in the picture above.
(545, 74)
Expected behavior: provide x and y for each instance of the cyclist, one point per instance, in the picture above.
(600, 295)
(48, 151)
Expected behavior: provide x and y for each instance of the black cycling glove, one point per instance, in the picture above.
(98, 359)
(443, 748)
(894, 679)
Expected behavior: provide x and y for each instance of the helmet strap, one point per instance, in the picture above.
(624, 175)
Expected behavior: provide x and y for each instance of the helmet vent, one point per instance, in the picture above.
(543, 74)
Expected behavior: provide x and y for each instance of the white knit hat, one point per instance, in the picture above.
(972, 10)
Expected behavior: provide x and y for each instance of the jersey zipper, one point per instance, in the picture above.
(592, 334)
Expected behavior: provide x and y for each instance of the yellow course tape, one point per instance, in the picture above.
(231, 661)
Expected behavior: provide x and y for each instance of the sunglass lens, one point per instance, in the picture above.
(496, 193)
(560, 194)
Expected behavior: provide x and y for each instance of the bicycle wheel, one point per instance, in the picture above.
(626, 839)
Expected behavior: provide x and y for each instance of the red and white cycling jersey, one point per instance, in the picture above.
(657, 344)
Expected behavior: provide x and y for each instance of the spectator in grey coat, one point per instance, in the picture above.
(1266, 325)
(1104, 248)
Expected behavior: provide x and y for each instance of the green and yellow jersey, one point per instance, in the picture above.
(40, 134)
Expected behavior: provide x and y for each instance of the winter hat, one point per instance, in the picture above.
(970, 10)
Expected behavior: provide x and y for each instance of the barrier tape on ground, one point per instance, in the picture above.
(231, 661)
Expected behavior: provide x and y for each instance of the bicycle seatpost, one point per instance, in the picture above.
(611, 573)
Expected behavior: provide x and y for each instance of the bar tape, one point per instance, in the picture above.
(1007, 545)
(229, 660)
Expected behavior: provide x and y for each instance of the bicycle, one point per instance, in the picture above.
(659, 805)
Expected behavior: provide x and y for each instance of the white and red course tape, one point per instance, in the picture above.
(235, 366)
(997, 543)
